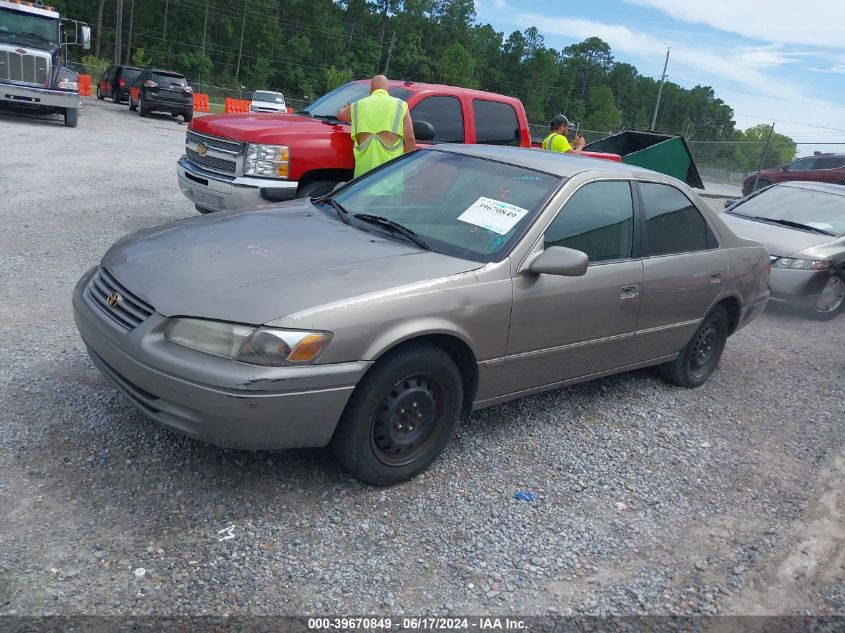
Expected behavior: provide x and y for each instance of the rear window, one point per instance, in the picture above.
(169, 79)
(495, 123)
(130, 73)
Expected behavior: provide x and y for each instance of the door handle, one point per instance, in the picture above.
(629, 292)
(716, 278)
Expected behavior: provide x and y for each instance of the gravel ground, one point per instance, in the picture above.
(727, 499)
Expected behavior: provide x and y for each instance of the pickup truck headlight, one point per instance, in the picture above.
(267, 160)
(67, 84)
(270, 347)
(802, 264)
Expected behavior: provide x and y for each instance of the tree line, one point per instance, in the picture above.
(306, 47)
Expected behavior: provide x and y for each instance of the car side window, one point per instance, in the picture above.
(598, 220)
(444, 113)
(495, 123)
(801, 164)
(829, 162)
(673, 223)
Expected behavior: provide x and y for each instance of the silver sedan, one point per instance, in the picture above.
(451, 279)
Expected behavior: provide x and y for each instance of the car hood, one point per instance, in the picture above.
(259, 127)
(778, 240)
(256, 266)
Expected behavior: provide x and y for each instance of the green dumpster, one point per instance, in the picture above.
(666, 153)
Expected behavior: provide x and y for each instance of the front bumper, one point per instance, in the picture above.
(217, 192)
(799, 287)
(222, 402)
(25, 96)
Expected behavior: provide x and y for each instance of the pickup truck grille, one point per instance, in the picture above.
(128, 312)
(213, 153)
(30, 67)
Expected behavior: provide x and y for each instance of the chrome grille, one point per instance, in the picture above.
(129, 312)
(213, 141)
(32, 67)
(212, 162)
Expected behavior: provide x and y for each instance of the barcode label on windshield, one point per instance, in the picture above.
(493, 215)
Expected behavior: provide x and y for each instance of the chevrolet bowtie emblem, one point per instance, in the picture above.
(112, 300)
(202, 149)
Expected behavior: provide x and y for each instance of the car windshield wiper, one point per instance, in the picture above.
(394, 227)
(342, 213)
(789, 223)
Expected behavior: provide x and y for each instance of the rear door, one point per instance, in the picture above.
(495, 122)
(801, 169)
(830, 169)
(567, 327)
(684, 269)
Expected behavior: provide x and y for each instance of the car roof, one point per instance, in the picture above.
(165, 72)
(826, 187)
(417, 86)
(559, 164)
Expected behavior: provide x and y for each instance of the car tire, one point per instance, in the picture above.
(832, 299)
(100, 95)
(699, 359)
(132, 105)
(203, 210)
(401, 415)
(188, 116)
(71, 117)
(316, 188)
(141, 109)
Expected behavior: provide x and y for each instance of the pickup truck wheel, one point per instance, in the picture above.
(188, 116)
(401, 415)
(71, 117)
(100, 94)
(698, 360)
(316, 188)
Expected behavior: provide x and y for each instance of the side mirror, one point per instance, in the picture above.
(423, 131)
(559, 260)
(86, 37)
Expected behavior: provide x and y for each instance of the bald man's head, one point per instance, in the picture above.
(379, 82)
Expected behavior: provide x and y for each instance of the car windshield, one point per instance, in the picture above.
(14, 23)
(331, 103)
(269, 97)
(794, 205)
(459, 205)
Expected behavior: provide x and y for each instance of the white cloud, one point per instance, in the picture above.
(813, 22)
(743, 65)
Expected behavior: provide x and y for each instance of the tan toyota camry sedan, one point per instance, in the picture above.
(452, 279)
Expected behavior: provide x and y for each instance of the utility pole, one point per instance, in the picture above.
(240, 51)
(166, 8)
(129, 38)
(118, 30)
(660, 90)
(763, 156)
(204, 30)
(389, 51)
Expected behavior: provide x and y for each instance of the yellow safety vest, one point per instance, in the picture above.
(377, 113)
(555, 142)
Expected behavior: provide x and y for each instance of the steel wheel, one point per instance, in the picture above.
(407, 418)
(704, 350)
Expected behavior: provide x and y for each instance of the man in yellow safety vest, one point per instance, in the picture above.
(381, 127)
(557, 141)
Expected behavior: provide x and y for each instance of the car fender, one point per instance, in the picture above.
(407, 330)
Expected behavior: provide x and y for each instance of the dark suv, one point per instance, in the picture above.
(162, 91)
(820, 167)
(116, 82)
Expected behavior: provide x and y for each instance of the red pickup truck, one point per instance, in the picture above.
(247, 160)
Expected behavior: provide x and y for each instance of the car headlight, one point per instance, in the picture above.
(271, 347)
(267, 160)
(67, 84)
(802, 264)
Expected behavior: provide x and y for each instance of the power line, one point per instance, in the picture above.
(757, 94)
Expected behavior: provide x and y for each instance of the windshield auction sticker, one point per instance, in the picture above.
(493, 215)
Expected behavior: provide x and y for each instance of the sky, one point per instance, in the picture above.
(770, 61)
